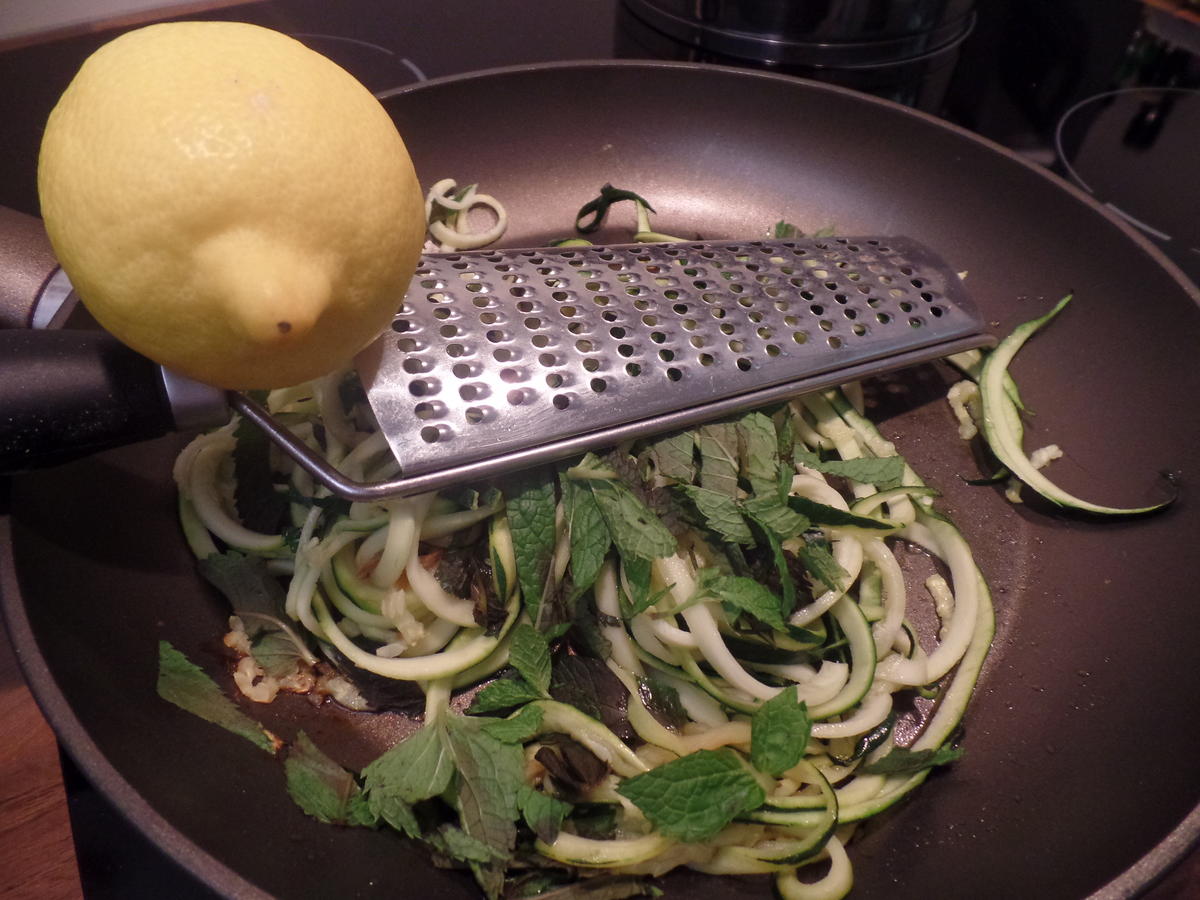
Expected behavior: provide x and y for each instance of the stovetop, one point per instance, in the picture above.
(1074, 85)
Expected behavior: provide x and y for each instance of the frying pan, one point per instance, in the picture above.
(1080, 773)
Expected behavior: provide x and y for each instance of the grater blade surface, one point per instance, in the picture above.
(495, 352)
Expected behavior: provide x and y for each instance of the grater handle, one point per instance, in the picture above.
(68, 394)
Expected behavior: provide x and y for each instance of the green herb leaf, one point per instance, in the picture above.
(758, 452)
(542, 813)
(692, 798)
(822, 566)
(903, 761)
(530, 506)
(662, 700)
(517, 728)
(530, 655)
(489, 779)
(503, 693)
(721, 514)
(786, 230)
(453, 842)
(277, 653)
(590, 686)
(822, 514)
(188, 686)
(589, 535)
(636, 580)
(884, 472)
(745, 594)
(320, 787)
(245, 582)
(718, 444)
(635, 530)
(673, 456)
(775, 516)
(779, 733)
(417, 768)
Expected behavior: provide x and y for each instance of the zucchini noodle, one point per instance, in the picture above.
(431, 590)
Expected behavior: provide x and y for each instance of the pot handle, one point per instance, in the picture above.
(68, 394)
(26, 264)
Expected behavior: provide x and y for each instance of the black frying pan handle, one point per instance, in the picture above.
(26, 264)
(68, 394)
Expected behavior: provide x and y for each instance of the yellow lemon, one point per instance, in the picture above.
(230, 203)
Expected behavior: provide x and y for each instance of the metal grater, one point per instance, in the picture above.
(502, 359)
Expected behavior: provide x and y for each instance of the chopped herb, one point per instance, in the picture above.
(322, 788)
(542, 813)
(718, 444)
(530, 655)
(823, 514)
(903, 761)
(636, 531)
(518, 728)
(504, 693)
(185, 684)
(692, 798)
(743, 594)
(588, 533)
(530, 505)
(245, 582)
(822, 566)
(720, 514)
(779, 733)
(884, 472)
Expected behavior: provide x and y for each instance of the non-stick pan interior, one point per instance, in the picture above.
(1080, 745)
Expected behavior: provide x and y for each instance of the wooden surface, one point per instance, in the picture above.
(37, 855)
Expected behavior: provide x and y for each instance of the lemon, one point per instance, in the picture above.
(230, 203)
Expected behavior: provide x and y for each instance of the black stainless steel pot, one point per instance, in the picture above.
(1081, 741)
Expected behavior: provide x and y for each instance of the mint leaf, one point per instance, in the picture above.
(822, 514)
(745, 594)
(542, 813)
(530, 506)
(320, 787)
(529, 654)
(720, 513)
(692, 798)
(635, 530)
(787, 584)
(277, 653)
(775, 516)
(779, 732)
(662, 700)
(490, 774)
(590, 686)
(759, 449)
(903, 761)
(589, 535)
(517, 728)
(718, 444)
(245, 582)
(452, 841)
(673, 456)
(185, 684)
(503, 693)
(415, 769)
(636, 579)
(883, 472)
(822, 566)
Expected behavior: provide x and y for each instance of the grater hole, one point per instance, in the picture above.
(625, 349)
(521, 291)
(882, 318)
(554, 380)
(773, 350)
(697, 341)
(602, 299)
(727, 328)
(456, 350)
(859, 329)
(617, 331)
(585, 346)
(745, 302)
(817, 309)
(475, 288)
(764, 332)
(476, 414)
(407, 345)
(717, 312)
(489, 318)
(744, 364)
(463, 370)
(518, 397)
(610, 315)
(568, 312)
(533, 323)
(641, 305)
(800, 337)
(430, 434)
(650, 321)
(471, 392)
(599, 385)
(680, 309)
(633, 369)
(936, 311)
(926, 296)
(423, 387)
(426, 411)
(512, 375)
(577, 328)
(525, 306)
(737, 346)
(666, 355)
(415, 366)
(826, 325)
(401, 325)
(541, 340)
(561, 401)
(689, 324)
(591, 364)
(658, 337)
(496, 335)
(503, 355)
(835, 342)
(850, 313)
(448, 331)
(914, 322)
(707, 359)
(481, 302)
(442, 313)
(674, 374)
(561, 296)
(548, 360)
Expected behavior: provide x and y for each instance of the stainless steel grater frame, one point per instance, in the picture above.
(502, 359)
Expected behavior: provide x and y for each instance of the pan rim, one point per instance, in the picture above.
(1136, 879)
